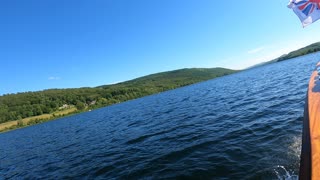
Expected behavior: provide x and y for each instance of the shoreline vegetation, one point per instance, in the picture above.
(29, 108)
(12, 125)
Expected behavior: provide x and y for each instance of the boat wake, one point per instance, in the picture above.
(283, 173)
(294, 152)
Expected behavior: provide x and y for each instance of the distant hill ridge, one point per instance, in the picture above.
(179, 77)
(312, 48)
(315, 47)
(29, 104)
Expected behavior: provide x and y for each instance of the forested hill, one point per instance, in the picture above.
(300, 52)
(174, 79)
(29, 104)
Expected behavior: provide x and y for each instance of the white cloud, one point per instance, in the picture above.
(274, 51)
(268, 56)
(256, 50)
(54, 78)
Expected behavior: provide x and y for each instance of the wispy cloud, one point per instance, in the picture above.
(256, 50)
(53, 78)
(266, 53)
(266, 56)
(115, 82)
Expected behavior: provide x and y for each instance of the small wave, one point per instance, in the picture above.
(144, 137)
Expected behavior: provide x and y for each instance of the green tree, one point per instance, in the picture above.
(80, 105)
(37, 110)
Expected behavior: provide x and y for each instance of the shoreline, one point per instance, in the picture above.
(18, 124)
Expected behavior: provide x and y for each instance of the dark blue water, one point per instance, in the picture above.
(243, 126)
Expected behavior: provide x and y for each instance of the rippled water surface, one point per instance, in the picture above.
(243, 126)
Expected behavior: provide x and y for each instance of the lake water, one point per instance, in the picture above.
(242, 126)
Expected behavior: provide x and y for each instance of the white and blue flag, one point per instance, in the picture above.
(308, 11)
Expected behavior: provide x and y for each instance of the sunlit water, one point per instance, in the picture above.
(243, 126)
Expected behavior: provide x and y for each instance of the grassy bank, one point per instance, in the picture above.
(36, 119)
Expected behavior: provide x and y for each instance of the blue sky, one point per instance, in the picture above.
(63, 44)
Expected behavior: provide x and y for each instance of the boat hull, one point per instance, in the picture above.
(310, 154)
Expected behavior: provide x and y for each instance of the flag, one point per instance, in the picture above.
(308, 11)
